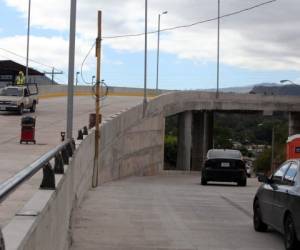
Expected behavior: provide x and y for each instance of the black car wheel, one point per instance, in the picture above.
(290, 238)
(258, 224)
(203, 181)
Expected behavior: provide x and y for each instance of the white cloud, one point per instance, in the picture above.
(264, 38)
(49, 51)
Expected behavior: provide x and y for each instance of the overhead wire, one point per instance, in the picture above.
(175, 28)
(192, 24)
(32, 60)
(81, 67)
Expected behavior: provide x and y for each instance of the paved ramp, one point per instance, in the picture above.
(169, 212)
(51, 120)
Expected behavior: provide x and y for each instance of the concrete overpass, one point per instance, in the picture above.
(131, 145)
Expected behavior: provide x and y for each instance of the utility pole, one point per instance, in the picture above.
(97, 125)
(52, 73)
(28, 34)
(71, 70)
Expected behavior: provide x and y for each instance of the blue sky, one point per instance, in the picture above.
(255, 45)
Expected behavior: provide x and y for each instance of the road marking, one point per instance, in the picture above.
(232, 203)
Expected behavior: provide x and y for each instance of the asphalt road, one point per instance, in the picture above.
(50, 121)
(169, 212)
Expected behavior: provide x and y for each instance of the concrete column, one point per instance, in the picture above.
(294, 123)
(197, 140)
(184, 141)
(208, 132)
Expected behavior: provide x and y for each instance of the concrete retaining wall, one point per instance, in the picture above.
(131, 145)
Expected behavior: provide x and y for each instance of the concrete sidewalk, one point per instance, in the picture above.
(169, 212)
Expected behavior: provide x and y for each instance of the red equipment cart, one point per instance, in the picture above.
(28, 129)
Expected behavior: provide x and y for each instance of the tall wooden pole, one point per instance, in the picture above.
(97, 125)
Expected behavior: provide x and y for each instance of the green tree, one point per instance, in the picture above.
(262, 164)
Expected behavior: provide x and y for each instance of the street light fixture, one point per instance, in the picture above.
(158, 40)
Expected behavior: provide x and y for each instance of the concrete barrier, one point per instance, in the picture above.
(44, 222)
(56, 90)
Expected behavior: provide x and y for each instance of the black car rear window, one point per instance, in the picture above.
(224, 154)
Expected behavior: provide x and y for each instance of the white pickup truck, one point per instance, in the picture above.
(18, 98)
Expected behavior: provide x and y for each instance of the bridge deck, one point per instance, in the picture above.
(51, 120)
(169, 212)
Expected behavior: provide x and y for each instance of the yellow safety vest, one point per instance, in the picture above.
(20, 80)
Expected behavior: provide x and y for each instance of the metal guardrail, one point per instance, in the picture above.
(59, 154)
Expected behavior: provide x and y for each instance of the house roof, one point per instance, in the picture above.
(9, 67)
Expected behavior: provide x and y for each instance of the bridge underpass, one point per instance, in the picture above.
(193, 133)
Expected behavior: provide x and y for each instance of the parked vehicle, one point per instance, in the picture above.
(18, 98)
(277, 203)
(225, 165)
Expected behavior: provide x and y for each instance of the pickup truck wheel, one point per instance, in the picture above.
(33, 108)
(21, 109)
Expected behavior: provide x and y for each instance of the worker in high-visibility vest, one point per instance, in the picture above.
(20, 79)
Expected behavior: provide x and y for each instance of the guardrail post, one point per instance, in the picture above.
(85, 130)
(80, 135)
(59, 164)
(2, 244)
(65, 156)
(48, 181)
(73, 144)
(69, 149)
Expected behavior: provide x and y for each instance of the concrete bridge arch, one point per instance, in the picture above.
(195, 113)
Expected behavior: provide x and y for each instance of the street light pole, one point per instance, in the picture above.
(28, 35)
(145, 58)
(77, 73)
(218, 56)
(71, 69)
(158, 40)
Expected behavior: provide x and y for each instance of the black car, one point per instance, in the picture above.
(277, 203)
(225, 165)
